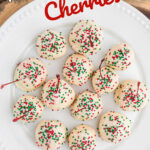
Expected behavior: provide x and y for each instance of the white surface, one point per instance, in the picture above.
(120, 22)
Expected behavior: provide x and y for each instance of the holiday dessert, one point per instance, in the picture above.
(87, 106)
(131, 95)
(83, 137)
(57, 94)
(51, 45)
(30, 74)
(105, 80)
(77, 69)
(120, 57)
(50, 135)
(114, 127)
(27, 109)
(86, 37)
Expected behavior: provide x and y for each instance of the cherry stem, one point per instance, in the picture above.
(115, 128)
(100, 68)
(16, 119)
(48, 146)
(90, 38)
(58, 82)
(80, 109)
(138, 86)
(73, 70)
(17, 80)
(83, 107)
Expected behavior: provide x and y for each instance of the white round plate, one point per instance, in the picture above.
(120, 22)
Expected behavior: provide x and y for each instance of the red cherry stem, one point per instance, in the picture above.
(18, 118)
(108, 128)
(17, 80)
(48, 146)
(100, 68)
(91, 43)
(80, 109)
(136, 95)
(138, 86)
(58, 82)
(49, 137)
(73, 70)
